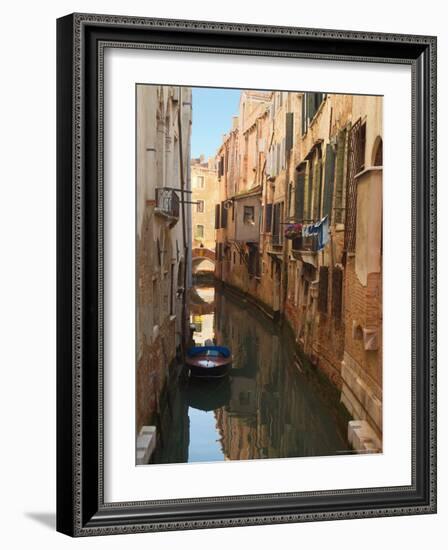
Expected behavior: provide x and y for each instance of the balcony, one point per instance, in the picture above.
(305, 249)
(305, 244)
(167, 203)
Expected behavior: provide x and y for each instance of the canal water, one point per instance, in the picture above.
(273, 404)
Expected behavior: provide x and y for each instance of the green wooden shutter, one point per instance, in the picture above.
(304, 125)
(317, 190)
(328, 181)
(339, 176)
(309, 191)
(311, 106)
(289, 131)
(299, 196)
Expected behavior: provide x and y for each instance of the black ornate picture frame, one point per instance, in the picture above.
(81, 509)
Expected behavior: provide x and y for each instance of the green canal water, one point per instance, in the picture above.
(273, 404)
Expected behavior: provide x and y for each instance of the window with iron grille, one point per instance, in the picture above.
(356, 160)
(199, 206)
(323, 289)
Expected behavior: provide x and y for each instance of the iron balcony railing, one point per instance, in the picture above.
(167, 201)
(305, 244)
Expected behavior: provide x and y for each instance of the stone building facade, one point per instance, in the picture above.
(205, 194)
(163, 244)
(310, 166)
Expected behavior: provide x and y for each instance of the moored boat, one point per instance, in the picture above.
(208, 361)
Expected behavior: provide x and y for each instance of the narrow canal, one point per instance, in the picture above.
(273, 404)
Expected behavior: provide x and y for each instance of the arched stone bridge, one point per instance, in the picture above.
(202, 254)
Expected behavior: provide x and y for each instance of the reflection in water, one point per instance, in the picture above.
(272, 405)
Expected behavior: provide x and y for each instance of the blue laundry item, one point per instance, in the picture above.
(322, 232)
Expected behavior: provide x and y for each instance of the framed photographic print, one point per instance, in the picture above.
(246, 274)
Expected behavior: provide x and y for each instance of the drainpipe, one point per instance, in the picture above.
(184, 229)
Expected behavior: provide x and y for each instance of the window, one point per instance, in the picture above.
(340, 176)
(356, 163)
(199, 232)
(249, 215)
(200, 182)
(317, 191)
(199, 206)
(217, 212)
(277, 235)
(220, 167)
(299, 195)
(268, 218)
(289, 131)
(223, 215)
(197, 321)
(310, 105)
(254, 262)
(330, 158)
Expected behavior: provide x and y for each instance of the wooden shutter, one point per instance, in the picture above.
(217, 210)
(339, 207)
(310, 106)
(276, 224)
(309, 192)
(317, 190)
(336, 291)
(289, 131)
(322, 303)
(299, 195)
(223, 216)
(328, 182)
(268, 218)
(304, 125)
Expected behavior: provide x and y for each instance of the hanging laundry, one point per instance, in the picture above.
(322, 232)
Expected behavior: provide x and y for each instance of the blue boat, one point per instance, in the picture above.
(208, 361)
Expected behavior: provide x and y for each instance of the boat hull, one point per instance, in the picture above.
(208, 362)
(216, 371)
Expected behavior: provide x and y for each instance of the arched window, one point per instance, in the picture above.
(377, 154)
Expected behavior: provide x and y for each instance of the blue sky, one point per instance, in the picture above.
(213, 109)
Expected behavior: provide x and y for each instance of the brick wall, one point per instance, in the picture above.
(363, 308)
